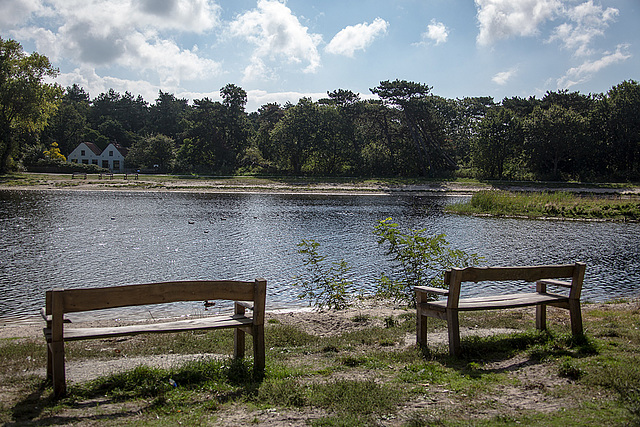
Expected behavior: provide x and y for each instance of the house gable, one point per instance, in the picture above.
(111, 158)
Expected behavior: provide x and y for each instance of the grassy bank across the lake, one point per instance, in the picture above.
(286, 184)
(345, 368)
(561, 204)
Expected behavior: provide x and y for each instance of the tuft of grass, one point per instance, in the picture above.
(549, 204)
(356, 397)
(280, 335)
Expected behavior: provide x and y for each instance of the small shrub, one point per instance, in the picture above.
(361, 318)
(418, 260)
(390, 322)
(568, 369)
(324, 286)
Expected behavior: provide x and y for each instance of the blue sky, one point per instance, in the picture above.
(280, 50)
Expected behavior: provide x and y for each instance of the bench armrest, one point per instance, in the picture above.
(43, 313)
(244, 304)
(430, 290)
(554, 282)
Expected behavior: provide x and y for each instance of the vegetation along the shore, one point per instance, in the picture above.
(367, 373)
(405, 131)
(549, 205)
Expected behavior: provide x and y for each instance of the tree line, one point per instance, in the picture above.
(406, 132)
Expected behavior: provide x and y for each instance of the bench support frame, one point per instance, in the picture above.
(251, 295)
(543, 276)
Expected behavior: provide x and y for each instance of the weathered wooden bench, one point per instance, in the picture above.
(544, 275)
(133, 175)
(79, 174)
(246, 295)
(106, 174)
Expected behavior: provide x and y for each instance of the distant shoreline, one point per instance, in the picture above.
(287, 185)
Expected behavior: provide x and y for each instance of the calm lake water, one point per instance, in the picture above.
(73, 239)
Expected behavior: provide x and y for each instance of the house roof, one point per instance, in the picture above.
(93, 147)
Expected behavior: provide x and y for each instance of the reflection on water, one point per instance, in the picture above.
(82, 239)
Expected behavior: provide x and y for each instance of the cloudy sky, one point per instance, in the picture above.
(281, 50)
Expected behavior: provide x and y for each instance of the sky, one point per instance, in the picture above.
(280, 51)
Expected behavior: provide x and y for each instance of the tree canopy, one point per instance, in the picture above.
(406, 131)
(26, 101)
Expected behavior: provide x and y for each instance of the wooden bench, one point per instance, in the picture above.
(246, 295)
(131, 174)
(106, 174)
(79, 174)
(544, 275)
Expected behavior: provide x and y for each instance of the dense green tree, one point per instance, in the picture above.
(294, 135)
(422, 121)
(121, 118)
(26, 101)
(553, 138)
(167, 115)
(498, 142)
(235, 125)
(68, 125)
(618, 114)
(203, 150)
(268, 117)
(153, 152)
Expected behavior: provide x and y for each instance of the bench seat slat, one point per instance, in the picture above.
(500, 301)
(217, 322)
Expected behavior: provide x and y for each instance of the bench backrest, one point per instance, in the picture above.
(87, 299)
(455, 277)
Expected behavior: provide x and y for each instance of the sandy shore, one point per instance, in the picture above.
(164, 183)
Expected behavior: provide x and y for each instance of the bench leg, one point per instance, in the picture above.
(238, 343)
(258, 349)
(421, 329)
(453, 325)
(541, 317)
(49, 362)
(57, 365)
(576, 316)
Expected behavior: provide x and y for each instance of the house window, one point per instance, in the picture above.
(94, 161)
(116, 165)
(82, 152)
(105, 164)
(85, 161)
(110, 153)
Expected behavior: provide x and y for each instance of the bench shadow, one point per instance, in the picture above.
(536, 345)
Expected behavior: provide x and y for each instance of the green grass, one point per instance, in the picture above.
(549, 204)
(366, 376)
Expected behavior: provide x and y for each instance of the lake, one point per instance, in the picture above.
(72, 239)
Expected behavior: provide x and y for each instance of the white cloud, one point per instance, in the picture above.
(588, 21)
(94, 84)
(277, 34)
(127, 33)
(356, 37)
(587, 69)
(437, 32)
(503, 77)
(16, 12)
(502, 19)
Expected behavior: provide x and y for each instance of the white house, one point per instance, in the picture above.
(88, 153)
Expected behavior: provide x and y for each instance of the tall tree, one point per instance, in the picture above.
(26, 101)
(167, 115)
(422, 121)
(552, 140)
(620, 117)
(235, 124)
(497, 142)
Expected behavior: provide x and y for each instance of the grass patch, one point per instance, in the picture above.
(549, 204)
(355, 378)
